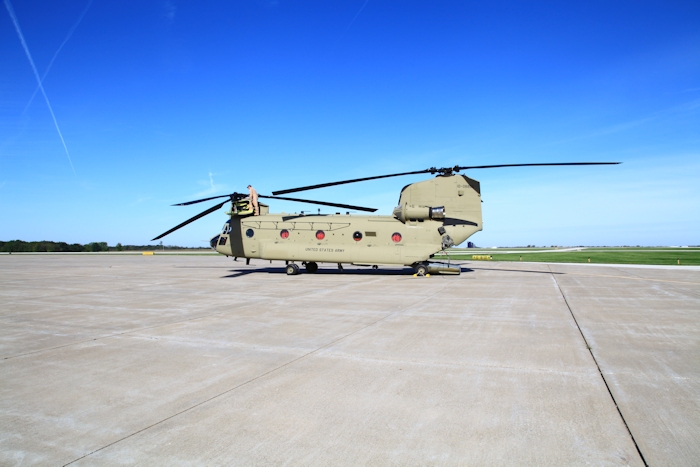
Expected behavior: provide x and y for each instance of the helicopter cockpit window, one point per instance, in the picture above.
(227, 228)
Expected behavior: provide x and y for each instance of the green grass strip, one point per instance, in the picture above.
(687, 257)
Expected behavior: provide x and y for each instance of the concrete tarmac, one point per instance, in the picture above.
(199, 360)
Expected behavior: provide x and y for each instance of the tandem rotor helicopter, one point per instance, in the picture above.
(432, 216)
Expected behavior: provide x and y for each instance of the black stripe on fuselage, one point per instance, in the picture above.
(455, 221)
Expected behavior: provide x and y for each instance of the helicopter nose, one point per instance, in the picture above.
(214, 241)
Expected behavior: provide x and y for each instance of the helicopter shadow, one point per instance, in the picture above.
(405, 272)
(518, 270)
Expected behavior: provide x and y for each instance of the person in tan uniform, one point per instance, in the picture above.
(253, 197)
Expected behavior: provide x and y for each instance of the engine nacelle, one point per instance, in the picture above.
(407, 211)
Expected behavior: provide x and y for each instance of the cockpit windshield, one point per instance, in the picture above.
(227, 228)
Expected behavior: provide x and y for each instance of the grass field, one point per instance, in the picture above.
(662, 256)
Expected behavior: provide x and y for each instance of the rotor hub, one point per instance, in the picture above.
(444, 170)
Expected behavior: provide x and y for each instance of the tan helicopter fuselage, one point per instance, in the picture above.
(432, 215)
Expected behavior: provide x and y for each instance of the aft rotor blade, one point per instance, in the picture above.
(323, 203)
(432, 170)
(343, 182)
(532, 165)
(205, 199)
(192, 219)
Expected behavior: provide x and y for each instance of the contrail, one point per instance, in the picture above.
(11, 11)
(358, 14)
(70, 33)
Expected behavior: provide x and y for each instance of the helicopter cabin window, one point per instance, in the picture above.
(357, 236)
(396, 237)
(320, 235)
(249, 233)
(284, 234)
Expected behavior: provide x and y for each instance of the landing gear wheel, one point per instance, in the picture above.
(311, 267)
(421, 269)
(292, 269)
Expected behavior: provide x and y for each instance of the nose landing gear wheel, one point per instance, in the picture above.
(311, 267)
(292, 269)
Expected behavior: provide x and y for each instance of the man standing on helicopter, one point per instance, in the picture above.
(253, 197)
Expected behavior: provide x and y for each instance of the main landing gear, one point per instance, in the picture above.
(421, 269)
(293, 269)
(425, 268)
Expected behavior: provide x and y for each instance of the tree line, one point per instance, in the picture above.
(45, 246)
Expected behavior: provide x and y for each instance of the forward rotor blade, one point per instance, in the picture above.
(200, 200)
(532, 165)
(343, 182)
(323, 203)
(192, 219)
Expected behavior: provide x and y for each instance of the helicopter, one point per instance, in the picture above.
(432, 215)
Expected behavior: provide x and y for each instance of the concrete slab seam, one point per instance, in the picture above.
(687, 292)
(638, 278)
(136, 330)
(590, 350)
(453, 365)
(88, 292)
(301, 357)
(119, 334)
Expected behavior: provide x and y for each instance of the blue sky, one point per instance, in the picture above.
(165, 101)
